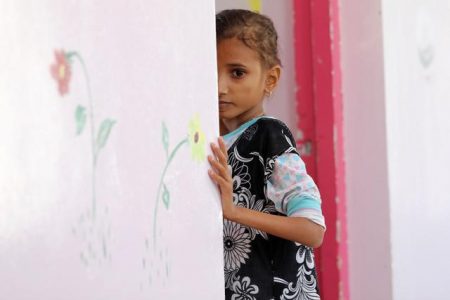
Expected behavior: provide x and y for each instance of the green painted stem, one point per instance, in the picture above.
(91, 117)
(169, 160)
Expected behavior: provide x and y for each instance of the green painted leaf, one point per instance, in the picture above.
(165, 138)
(69, 56)
(166, 196)
(103, 132)
(80, 118)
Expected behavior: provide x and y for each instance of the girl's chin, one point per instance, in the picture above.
(223, 115)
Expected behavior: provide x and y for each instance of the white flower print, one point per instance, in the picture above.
(230, 277)
(243, 290)
(241, 176)
(270, 163)
(236, 242)
(291, 148)
(305, 255)
(306, 286)
(245, 199)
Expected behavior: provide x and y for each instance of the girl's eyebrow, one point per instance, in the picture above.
(236, 65)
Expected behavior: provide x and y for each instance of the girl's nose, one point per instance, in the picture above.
(223, 86)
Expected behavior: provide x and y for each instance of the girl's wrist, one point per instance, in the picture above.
(236, 215)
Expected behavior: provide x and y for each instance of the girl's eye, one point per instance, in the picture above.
(237, 73)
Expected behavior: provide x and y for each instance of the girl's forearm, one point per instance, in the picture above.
(297, 229)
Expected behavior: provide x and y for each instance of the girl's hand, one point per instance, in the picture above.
(221, 175)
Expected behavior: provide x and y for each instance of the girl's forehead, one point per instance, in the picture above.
(235, 49)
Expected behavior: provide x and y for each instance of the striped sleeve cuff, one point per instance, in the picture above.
(306, 207)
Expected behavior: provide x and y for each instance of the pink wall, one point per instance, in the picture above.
(365, 143)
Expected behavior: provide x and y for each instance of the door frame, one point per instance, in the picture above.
(320, 123)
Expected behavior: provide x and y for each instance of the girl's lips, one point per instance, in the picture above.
(223, 104)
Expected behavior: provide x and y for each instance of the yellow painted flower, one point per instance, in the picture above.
(255, 5)
(197, 139)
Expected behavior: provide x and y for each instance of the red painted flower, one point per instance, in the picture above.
(61, 72)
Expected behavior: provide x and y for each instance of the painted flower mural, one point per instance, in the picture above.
(197, 142)
(196, 139)
(61, 71)
(255, 5)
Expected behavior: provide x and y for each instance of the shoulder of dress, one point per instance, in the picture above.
(271, 121)
(274, 126)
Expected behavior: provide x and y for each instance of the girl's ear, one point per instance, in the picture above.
(273, 76)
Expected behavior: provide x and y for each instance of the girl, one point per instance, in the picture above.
(271, 207)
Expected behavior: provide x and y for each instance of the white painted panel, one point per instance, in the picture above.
(117, 211)
(417, 67)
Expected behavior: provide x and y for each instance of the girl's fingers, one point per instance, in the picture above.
(220, 152)
(221, 169)
(219, 162)
(212, 174)
(219, 156)
(216, 152)
(223, 147)
(217, 179)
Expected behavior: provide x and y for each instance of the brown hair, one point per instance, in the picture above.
(256, 31)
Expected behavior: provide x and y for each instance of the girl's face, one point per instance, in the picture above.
(243, 82)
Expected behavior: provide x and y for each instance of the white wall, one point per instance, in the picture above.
(122, 223)
(365, 150)
(396, 71)
(282, 103)
(417, 78)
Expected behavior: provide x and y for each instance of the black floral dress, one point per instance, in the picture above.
(258, 265)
